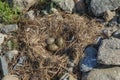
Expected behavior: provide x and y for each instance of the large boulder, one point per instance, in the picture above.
(109, 52)
(103, 74)
(100, 6)
(66, 5)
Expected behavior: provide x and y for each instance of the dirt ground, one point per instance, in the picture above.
(42, 64)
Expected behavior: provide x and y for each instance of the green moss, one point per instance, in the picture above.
(9, 15)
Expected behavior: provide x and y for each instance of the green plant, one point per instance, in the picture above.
(9, 15)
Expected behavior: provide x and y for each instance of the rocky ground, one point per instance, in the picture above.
(77, 40)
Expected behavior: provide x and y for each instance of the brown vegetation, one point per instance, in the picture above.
(41, 64)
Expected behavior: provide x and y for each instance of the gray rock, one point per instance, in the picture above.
(108, 31)
(3, 65)
(66, 5)
(113, 22)
(11, 54)
(118, 19)
(2, 37)
(67, 76)
(100, 6)
(30, 14)
(90, 59)
(116, 34)
(80, 6)
(103, 74)
(109, 52)
(54, 10)
(98, 40)
(9, 28)
(24, 5)
(20, 62)
(109, 15)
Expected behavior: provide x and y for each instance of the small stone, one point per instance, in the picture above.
(9, 28)
(50, 40)
(106, 33)
(118, 19)
(52, 47)
(116, 34)
(20, 62)
(103, 74)
(70, 69)
(30, 14)
(67, 76)
(11, 54)
(54, 10)
(98, 40)
(2, 37)
(24, 5)
(89, 61)
(9, 44)
(109, 52)
(108, 15)
(66, 5)
(80, 6)
(44, 12)
(3, 65)
(10, 77)
(59, 41)
(71, 64)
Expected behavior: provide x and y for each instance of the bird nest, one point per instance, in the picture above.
(42, 64)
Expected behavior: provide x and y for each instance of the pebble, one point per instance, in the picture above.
(106, 33)
(11, 54)
(67, 76)
(66, 5)
(3, 65)
(116, 34)
(24, 5)
(9, 28)
(30, 14)
(108, 15)
(80, 6)
(2, 37)
(20, 62)
(89, 61)
(98, 40)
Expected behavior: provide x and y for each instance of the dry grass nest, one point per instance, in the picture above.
(42, 64)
